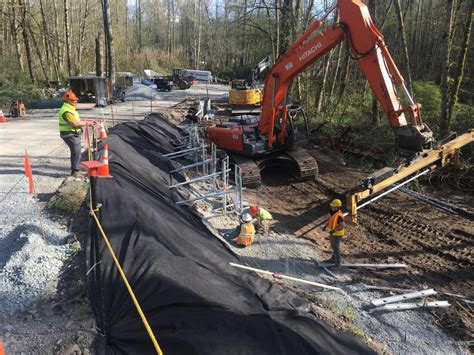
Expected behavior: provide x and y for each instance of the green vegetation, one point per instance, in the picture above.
(69, 201)
(357, 331)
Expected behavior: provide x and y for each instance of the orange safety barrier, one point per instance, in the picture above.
(102, 131)
(104, 171)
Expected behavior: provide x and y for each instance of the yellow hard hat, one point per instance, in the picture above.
(336, 203)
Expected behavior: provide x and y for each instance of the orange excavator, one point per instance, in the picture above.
(273, 137)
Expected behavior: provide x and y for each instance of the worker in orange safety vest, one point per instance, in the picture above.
(247, 231)
(336, 228)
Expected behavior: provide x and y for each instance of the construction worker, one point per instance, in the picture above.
(247, 231)
(263, 218)
(70, 128)
(336, 228)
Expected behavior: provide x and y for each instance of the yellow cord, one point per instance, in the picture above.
(122, 274)
(129, 288)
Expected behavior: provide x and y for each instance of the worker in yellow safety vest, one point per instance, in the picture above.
(70, 128)
(263, 218)
(247, 231)
(336, 228)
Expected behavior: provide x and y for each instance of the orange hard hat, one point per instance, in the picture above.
(70, 96)
(254, 210)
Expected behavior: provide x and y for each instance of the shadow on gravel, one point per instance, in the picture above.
(14, 241)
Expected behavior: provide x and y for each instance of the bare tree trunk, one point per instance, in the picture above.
(168, 30)
(320, 94)
(375, 116)
(38, 53)
(26, 39)
(109, 40)
(199, 30)
(277, 29)
(461, 62)
(67, 35)
(444, 124)
(14, 29)
(138, 5)
(82, 35)
(58, 44)
(401, 29)
(336, 71)
(344, 75)
(2, 28)
(99, 57)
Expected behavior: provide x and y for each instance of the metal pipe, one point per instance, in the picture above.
(190, 166)
(278, 276)
(202, 178)
(181, 152)
(407, 93)
(203, 197)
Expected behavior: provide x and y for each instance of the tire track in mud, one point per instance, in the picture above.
(454, 247)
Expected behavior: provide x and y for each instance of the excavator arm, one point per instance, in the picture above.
(367, 45)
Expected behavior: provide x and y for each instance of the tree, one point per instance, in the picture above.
(67, 34)
(461, 63)
(401, 29)
(108, 40)
(444, 123)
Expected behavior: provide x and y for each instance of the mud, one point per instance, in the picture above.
(436, 246)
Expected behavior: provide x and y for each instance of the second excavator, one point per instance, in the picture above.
(273, 137)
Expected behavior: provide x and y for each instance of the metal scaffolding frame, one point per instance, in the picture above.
(207, 165)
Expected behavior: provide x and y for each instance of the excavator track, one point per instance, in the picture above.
(298, 160)
(308, 167)
(250, 170)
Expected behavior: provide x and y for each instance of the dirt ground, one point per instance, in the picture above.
(436, 246)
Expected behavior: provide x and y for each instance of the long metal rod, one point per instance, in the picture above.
(277, 275)
(374, 266)
(190, 166)
(390, 190)
(203, 197)
(192, 181)
(406, 306)
(219, 215)
(403, 297)
(173, 154)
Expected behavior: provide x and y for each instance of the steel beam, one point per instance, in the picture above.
(440, 156)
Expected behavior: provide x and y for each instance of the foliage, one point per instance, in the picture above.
(26, 91)
(429, 96)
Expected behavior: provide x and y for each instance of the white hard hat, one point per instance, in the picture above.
(246, 217)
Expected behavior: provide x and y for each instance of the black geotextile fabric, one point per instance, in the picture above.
(195, 301)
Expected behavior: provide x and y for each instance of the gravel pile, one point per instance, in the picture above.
(141, 92)
(29, 264)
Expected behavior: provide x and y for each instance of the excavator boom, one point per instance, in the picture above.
(275, 131)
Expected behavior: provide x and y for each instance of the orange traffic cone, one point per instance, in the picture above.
(103, 171)
(2, 352)
(2, 117)
(102, 132)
